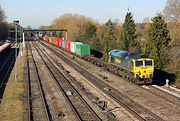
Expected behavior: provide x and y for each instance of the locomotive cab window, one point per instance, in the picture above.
(148, 62)
(139, 63)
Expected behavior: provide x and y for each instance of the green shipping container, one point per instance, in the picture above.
(82, 49)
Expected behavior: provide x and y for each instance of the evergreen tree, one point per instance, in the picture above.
(129, 37)
(96, 45)
(89, 32)
(158, 42)
(109, 39)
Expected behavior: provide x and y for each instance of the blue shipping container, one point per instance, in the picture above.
(64, 44)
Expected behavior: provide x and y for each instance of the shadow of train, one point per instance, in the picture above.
(96, 53)
(161, 76)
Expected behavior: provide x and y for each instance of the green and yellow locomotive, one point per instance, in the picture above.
(138, 68)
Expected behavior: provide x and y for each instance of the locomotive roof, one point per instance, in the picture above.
(126, 54)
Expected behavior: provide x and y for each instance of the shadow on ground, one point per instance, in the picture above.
(6, 68)
(161, 76)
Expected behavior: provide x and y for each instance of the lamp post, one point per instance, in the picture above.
(16, 25)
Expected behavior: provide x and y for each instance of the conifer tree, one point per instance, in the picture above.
(109, 39)
(89, 33)
(128, 39)
(90, 30)
(96, 45)
(157, 45)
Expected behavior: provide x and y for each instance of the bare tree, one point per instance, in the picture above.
(172, 10)
(172, 16)
(2, 15)
(3, 26)
(74, 23)
(146, 20)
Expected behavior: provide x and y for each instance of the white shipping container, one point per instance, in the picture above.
(73, 46)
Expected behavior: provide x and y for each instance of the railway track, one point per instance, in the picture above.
(136, 109)
(79, 106)
(37, 105)
(156, 91)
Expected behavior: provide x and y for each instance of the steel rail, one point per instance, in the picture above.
(47, 112)
(77, 113)
(136, 109)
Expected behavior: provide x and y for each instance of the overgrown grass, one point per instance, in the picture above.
(13, 106)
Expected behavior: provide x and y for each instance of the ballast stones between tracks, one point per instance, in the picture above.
(84, 114)
(90, 77)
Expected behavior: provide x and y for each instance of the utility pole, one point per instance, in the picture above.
(16, 25)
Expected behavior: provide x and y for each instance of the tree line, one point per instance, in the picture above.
(155, 38)
(159, 38)
(86, 31)
(5, 27)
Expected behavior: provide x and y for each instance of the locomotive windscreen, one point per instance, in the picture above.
(148, 62)
(139, 63)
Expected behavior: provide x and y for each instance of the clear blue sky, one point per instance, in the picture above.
(43, 12)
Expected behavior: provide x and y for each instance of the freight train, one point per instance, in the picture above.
(137, 68)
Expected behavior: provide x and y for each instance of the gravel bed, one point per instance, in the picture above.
(60, 109)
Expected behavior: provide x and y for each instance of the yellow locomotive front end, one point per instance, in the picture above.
(143, 70)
